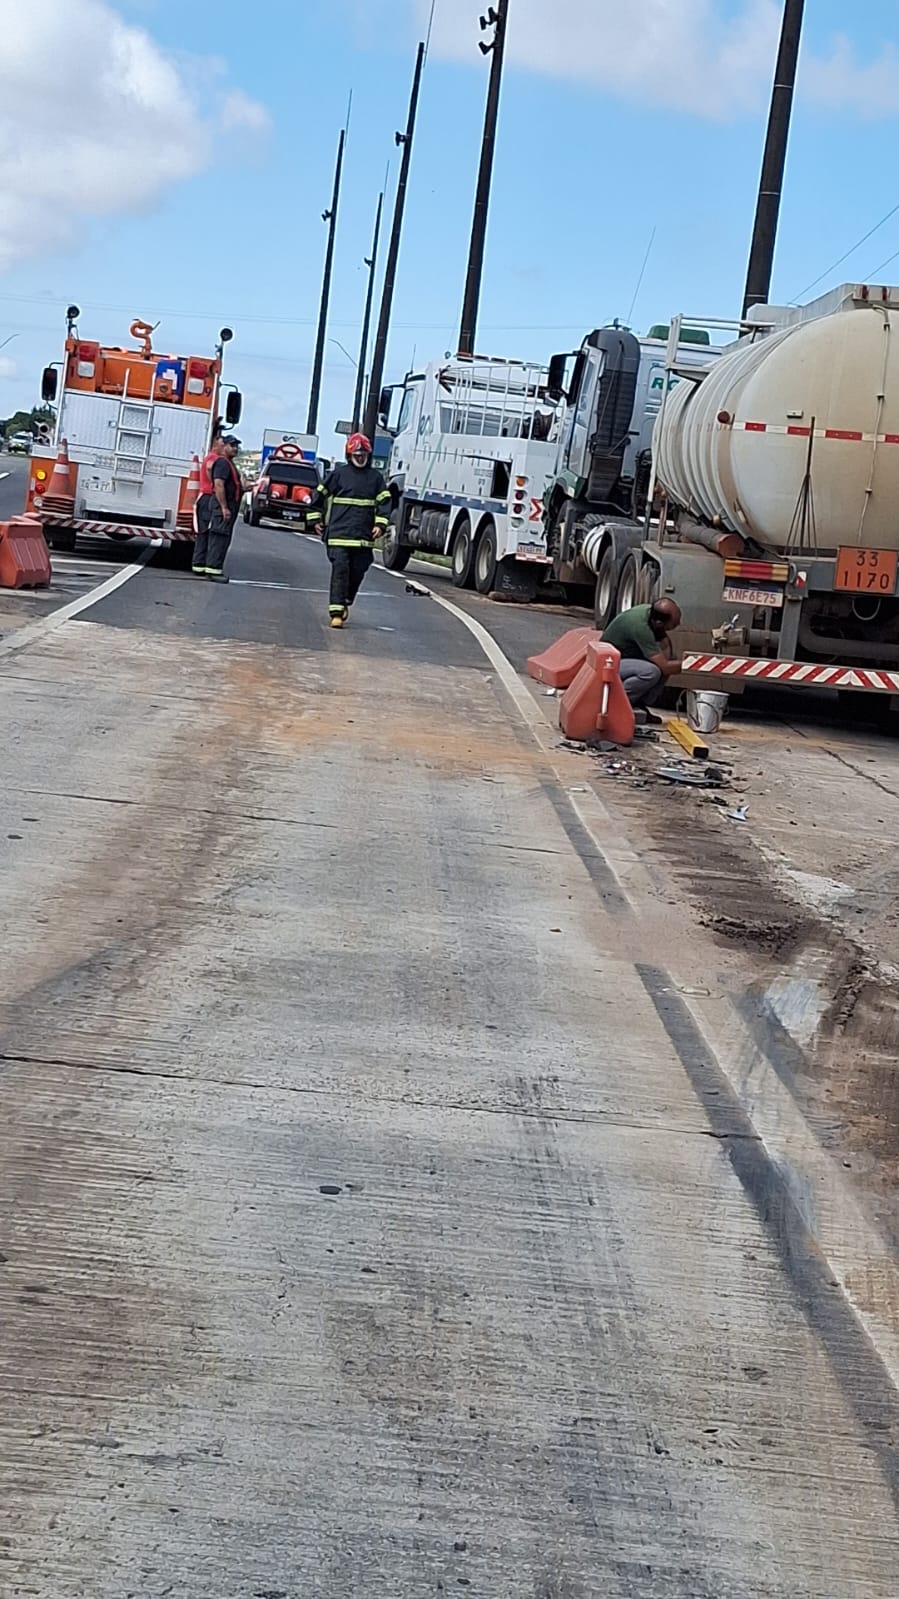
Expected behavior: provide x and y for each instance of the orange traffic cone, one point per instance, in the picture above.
(186, 520)
(60, 495)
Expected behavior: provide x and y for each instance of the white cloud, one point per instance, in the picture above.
(8, 368)
(870, 88)
(703, 57)
(101, 123)
(243, 115)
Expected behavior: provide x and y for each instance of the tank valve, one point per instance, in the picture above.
(720, 635)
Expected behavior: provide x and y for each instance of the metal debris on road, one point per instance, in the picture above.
(690, 776)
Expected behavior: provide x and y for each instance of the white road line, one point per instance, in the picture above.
(293, 588)
(861, 1262)
(33, 631)
(3, 475)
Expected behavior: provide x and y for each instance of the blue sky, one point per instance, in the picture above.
(186, 185)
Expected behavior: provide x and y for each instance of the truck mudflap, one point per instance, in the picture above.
(78, 524)
(792, 674)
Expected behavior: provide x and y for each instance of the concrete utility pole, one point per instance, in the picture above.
(319, 360)
(380, 350)
(764, 234)
(372, 263)
(498, 17)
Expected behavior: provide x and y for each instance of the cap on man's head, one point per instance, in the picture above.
(231, 438)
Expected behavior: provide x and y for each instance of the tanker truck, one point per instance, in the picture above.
(767, 505)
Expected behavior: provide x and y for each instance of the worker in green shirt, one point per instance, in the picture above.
(642, 637)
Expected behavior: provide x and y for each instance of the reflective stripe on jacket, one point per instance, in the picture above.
(355, 504)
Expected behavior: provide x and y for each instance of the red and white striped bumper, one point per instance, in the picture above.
(795, 674)
(167, 535)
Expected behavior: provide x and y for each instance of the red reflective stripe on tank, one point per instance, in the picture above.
(843, 433)
(799, 433)
(755, 427)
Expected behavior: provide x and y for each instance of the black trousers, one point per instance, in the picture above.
(348, 568)
(214, 535)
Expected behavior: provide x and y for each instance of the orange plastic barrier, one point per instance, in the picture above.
(559, 665)
(24, 557)
(595, 704)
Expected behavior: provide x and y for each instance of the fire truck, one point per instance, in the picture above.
(129, 423)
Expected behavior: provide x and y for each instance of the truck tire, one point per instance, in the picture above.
(396, 556)
(254, 515)
(463, 555)
(61, 538)
(485, 560)
(648, 583)
(605, 595)
(628, 583)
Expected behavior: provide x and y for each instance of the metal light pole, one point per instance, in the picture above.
(319, 360)
(372, 264)
(380, 350)
(764, 233)
(498, 16)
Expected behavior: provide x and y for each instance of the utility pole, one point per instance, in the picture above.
(498, 17)
(372, 263)
(764, 233)
(318, 363)
(380, 350)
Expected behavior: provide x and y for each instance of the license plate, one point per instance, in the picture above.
(292, 516)
(866, 571)
(753, 593)
(531, 552)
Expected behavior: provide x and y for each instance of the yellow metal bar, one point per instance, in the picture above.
(688, 740)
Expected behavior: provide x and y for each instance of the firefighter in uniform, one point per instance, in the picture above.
(350, 509)
(204, 505)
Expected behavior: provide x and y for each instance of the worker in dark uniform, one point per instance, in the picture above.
(227, 489)
(205, 502)
(350, 509)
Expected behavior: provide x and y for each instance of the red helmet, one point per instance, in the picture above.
(358, 444)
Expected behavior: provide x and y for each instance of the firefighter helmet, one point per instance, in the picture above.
(358, 444)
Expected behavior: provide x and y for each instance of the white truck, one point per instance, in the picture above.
(132, 421)
(479, 444)
(471, 454)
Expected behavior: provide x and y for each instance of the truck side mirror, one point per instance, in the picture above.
(233, 407)
(49, 381)
(555, 383)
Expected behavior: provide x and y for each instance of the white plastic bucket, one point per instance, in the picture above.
(705, 710)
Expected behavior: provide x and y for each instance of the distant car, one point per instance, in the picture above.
(19, 443)
(283, 490)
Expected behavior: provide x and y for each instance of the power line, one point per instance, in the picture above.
(870, 276)
(794, 299)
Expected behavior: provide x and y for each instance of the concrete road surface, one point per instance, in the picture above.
(373, 1219)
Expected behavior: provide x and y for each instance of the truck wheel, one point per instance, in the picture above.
(463, 555)
(605, 595)
(254, 515)
(648, 583)
(485, 561)
(396, 556)
(179, 555)
(627, 583)
(61, 538)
